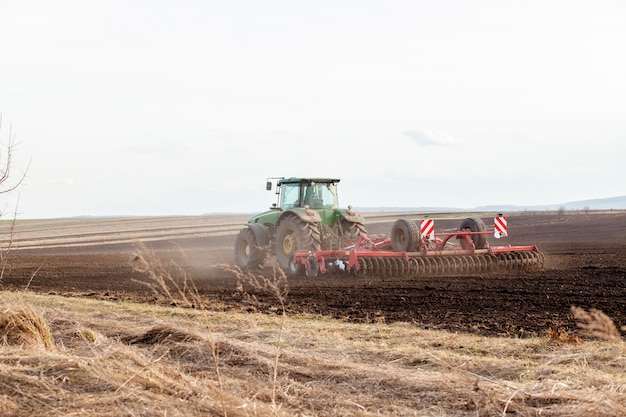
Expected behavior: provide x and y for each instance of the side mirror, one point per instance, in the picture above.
(268, 185)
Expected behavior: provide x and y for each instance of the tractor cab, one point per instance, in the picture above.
(313, 193)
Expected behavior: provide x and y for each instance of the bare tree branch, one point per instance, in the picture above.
(6, 164)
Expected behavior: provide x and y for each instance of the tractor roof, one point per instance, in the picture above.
(298, 180)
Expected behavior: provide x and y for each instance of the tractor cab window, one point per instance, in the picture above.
(290, 196)
(318, 196)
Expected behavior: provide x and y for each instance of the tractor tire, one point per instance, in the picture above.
(405, 236)
(352, 230)
(248, 255)
(293, 234)
(474, 224)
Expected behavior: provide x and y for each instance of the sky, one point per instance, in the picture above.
(137, 107)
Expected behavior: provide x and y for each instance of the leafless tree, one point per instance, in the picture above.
(8, 184)
(6, 164)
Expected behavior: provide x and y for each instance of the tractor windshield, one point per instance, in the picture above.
(320, 195)
(313, 195)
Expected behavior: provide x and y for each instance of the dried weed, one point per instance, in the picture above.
(21, 325)
(169, 281)
(560, 335)
(597, 324)
(275, 284)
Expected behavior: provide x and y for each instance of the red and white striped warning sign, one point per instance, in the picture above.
(500, 226)
(427, 228)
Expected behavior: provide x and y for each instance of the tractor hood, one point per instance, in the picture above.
(267, 217)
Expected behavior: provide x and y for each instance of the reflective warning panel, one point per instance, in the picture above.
(500, 226)
(427, 228)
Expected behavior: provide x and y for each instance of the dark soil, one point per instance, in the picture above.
(585, 267)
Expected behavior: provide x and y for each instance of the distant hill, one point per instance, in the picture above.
(615, 203)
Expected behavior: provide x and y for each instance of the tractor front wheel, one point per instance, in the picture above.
(248, 254)
(293, 234)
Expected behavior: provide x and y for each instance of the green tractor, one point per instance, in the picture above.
(306, 217)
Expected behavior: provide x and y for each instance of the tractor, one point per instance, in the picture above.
(306, 217)
(310, 235)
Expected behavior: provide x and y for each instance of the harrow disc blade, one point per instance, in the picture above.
(428, 266)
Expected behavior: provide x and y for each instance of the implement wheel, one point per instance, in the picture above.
(293, 234)
(473, 224)
(248, 254)
(405, 236)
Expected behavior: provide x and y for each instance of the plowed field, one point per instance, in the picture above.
(585, 266)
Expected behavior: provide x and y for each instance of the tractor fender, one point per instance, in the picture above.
(352, 217)
(261, 232)
(306, 215)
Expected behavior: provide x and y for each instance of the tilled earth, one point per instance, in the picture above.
(585, 267)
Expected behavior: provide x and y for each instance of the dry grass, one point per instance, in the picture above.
(169, 281)
(118, 359)
(21, 325)
(597, 324)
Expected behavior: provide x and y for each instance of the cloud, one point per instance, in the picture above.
(424, 137)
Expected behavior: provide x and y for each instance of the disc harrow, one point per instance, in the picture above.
(424, 255)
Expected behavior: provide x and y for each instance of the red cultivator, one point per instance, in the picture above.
(415, 251)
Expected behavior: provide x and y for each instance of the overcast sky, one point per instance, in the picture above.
(136, 107)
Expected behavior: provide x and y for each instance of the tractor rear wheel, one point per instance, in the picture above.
(352, 230)
(473, 224)
(248, 254)
(293, 234)
(405, 236)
